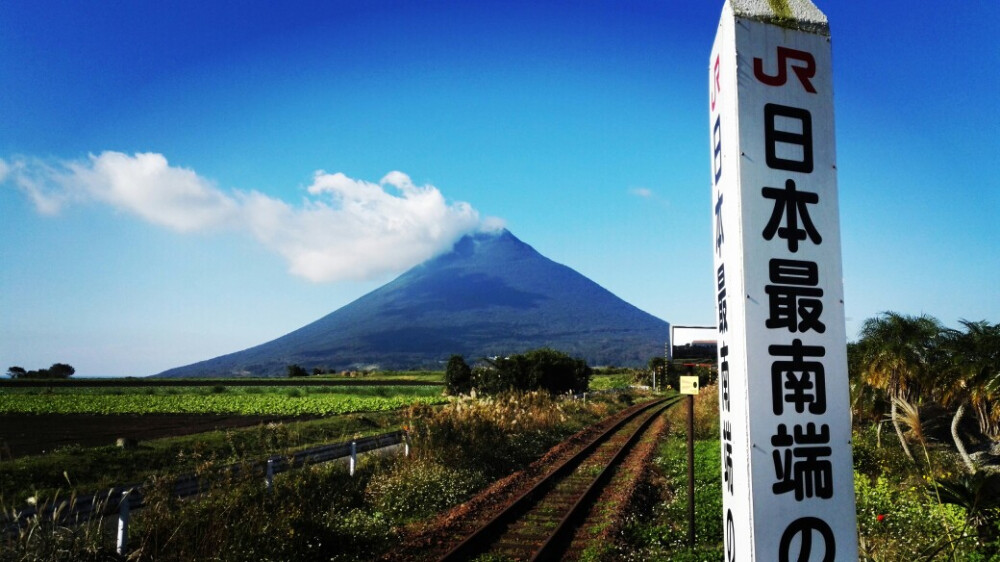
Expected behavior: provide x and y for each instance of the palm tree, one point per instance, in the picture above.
(868, 403)
(898, 353)
(974, 378)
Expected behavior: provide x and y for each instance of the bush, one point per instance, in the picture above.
(900, 523)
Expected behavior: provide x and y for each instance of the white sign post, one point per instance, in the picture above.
(788, 491)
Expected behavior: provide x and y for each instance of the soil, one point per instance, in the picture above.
(28, 434)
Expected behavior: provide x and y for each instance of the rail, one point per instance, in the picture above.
(490, 533)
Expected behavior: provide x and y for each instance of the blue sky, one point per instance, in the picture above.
(180, 180)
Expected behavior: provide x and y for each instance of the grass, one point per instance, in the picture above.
(659, 531)
(607, 382)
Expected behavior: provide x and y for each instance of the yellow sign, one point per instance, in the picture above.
(689, 385)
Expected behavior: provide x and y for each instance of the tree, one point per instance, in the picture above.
(61, 371)
(658, 369)
(458, 376)
(295, 370)
(557, 372)
(544, 368)
(898, 353)
(16, 372)
(973, 369)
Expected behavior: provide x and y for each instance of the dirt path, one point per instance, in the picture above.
(26, 434)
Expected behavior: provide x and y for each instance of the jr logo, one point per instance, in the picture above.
(805, 69)
(716, 86)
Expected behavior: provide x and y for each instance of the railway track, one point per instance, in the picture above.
(540, 524)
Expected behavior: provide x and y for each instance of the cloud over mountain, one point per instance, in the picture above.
(343, 228)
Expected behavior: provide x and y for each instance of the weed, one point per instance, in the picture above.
(421, 488)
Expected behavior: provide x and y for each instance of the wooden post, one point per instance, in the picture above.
(123, 517)
(690, 447)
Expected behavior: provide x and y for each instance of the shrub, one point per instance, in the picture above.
(900, 523)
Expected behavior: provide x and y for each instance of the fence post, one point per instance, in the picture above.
(354, 456)
(123, 517)
(269, 477)
(406, 444)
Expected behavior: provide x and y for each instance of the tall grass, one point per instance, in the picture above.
(54, 539)
(493, 435)
(706, 414)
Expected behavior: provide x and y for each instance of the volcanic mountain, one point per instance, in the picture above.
(491, 295)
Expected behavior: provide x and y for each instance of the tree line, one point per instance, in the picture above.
(56, 371)
(539, 369)
(903, 363)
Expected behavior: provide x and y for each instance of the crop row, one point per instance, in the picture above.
(270, 404)
(292, 390)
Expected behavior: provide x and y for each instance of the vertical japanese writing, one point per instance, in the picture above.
(719, 199)
(801, 448)
(722, 307)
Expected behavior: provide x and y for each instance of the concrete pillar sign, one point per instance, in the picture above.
(788, 491)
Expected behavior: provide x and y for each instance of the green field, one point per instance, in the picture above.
(608, 382)
(258, 401)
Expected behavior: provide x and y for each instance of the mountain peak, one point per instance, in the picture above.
(492, 294)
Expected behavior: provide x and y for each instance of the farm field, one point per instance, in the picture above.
(289, 400)
(375, 378)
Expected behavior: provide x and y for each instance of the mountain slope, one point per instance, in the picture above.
(491, 295)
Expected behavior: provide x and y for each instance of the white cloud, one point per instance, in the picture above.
(146, 185)
(643, 192)
(344, 229)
